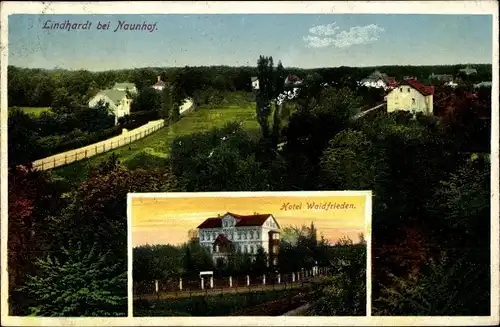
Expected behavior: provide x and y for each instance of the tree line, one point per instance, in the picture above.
(49, 88)
(300, 249)
(430, 177)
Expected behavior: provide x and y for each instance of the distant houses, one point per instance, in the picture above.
(293, 81)
(255, 83)
(159, 85)
(468, 71)
(130, 87)
(117, 98)
(482, 84)
(411, 95)
(378, 80)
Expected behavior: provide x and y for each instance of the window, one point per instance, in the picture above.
(413, 100)
(217, 248)
(246, 249)
(400, 89)
(238, 236)
(202, 237)
(408, 90)
(251, 248)
(257, 234)
(224, 223)
(251, 234)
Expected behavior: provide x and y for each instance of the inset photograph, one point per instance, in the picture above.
(250, 254)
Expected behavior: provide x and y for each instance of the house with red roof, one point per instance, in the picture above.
(230, 232)
(159, 85)
(411, 95)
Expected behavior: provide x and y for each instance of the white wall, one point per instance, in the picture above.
(240, 236)
(402, 99)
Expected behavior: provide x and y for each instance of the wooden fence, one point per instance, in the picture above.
(125, 138)
(209, 285)
(88, 151)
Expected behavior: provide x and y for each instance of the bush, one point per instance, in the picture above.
(137, 119)
(51, 145)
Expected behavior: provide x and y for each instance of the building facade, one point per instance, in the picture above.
(117, 101)
(410, 95)
(231, 233)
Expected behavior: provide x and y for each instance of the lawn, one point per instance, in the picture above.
(34, 110)
(153, 149)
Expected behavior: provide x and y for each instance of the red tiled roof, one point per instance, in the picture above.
(425, 90)
(294, 78)
(211, 223)
(249, 220)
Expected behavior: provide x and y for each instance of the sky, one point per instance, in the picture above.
(163, 220)
(298, 40)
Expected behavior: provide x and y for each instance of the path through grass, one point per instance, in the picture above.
(157, 146)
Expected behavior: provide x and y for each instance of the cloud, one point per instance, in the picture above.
(330, 35)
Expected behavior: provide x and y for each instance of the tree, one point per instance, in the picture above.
(261, 262)
(265, 94)
(167, 104)
(348, 163)
(83, 283)
(279, 87)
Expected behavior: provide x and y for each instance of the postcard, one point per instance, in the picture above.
(206, 254)
(250, 163)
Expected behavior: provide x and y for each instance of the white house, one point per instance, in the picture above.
(125, 87)
(159, 85)
(378, 80)
(412, 96)
(118, 102)
(255, 83)
(244, 233)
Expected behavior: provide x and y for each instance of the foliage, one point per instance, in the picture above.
(84, 283)
(345, 294)
(137, 119)
(218, 159)
(435, 292)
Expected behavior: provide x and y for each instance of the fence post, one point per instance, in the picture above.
(248, 280)
(279, 279)
(54, 162)
(65, 158)
(156, 286)
(293, 277)
(211, 281)
(76, 156)
(264, 279)
(180, 284)
(85, 153)
(202, 283)
(96, 149)
(42, 165)
(230, 281)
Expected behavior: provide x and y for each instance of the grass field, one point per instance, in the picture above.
(34, 110)
(153, 149)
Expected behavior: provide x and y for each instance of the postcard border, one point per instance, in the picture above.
(358, 7)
